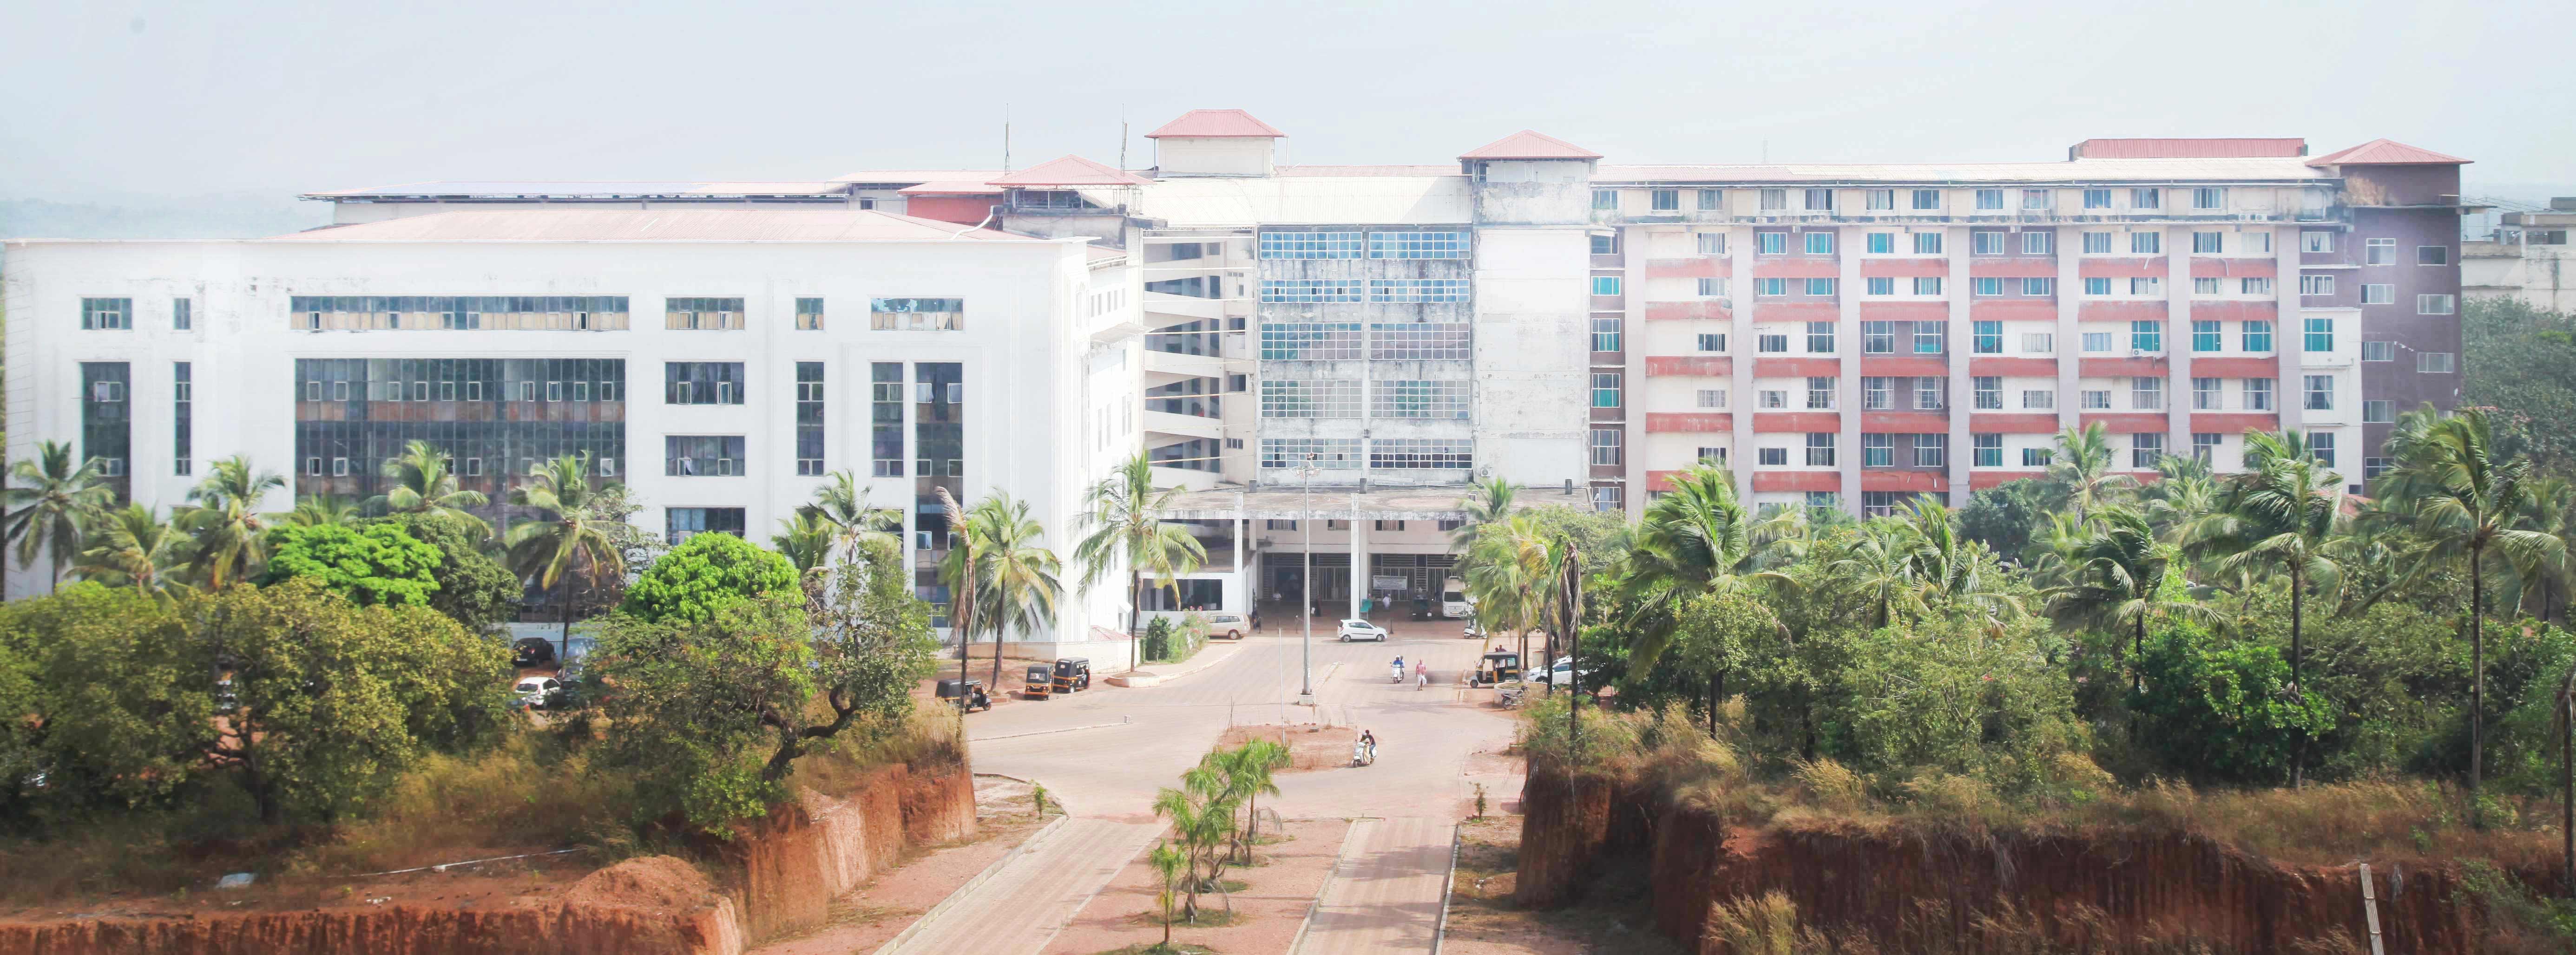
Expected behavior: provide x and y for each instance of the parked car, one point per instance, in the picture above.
(1361, 630)
(532, 652)
(536, 692)
(1231, 626)
(1557, 675)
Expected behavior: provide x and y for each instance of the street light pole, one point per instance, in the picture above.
(1306, 535)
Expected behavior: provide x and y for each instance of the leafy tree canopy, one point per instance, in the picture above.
(374, 564)
(473, 589)
(706, 574)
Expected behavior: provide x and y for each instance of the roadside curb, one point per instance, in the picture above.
(1088, 899)
(1340, 856)
(1066, 729)
(972, 884)
(1197, 662)
(1449, 886)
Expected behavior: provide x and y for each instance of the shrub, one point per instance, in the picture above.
(706, 574)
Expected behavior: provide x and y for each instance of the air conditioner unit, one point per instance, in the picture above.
(2140, 353)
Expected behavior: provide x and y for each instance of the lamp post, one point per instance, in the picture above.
(1306, 539)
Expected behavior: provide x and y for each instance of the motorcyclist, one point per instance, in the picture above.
(1368, 746)
(1397, 670)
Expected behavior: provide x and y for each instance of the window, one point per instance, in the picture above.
(702, 313)
(2145, 450)
(1820, 394)
(1875, 199)
(1820, 287)
(2039, 399)
(2206, 394)
(2320, 393)
(1771, 344)
(2258, 394)
(2146, 198)
(1712, 341)
(1712, 243)
(2379, 252)
(1417, 399)
(2257, 336)
(2035, 199)
(183, 395)
(2376, 412)
(1606, 199)
(1820, 449)
(2373, 467)
(2379, 294)
(1927, 243)
(701, 383)
(2097, 342)
(1418, 290)
(2261, 286)
(1990, 199)
(1771, 243)
(2204, 447)
(1987, 338)
(1418, 245)
(1605, 243)
(1927, 285)
(1605, 285)
(1712, 397)
(1931, 393)
(1295, 398)
(1881, 285)
(809, 314)
(885, 415)
(1882, 243)
(2039, 286)
(2435, 305)
(2209, 198)
(2320, 336)
(1820, 200)
(949, 314)
(2097, 400)
(1771, 457)
(1931, 450)
(2097, 243)
(2321, 446)
(2379, 351)
(1712, 288)
(2036, 457)
(107, 314)
(2097, 198)
(1666, 200)
(2316, 242)
(702, 456)
(1708, 199)
(2147, 336)
(1820, 243)
(1605, 447)
(2038, 242)
(1714, 455)
(1820, 338)
(2097, 287)
(2435, 362)
(1605, 333)
(182, 318)
(1877, 450)
(2207, 286)
(1770, 286)
(1877, 394)
(1775, 200)
(1988, 391)
(2313, 285)
(2432, 255)
(1987, 242)
(1927, 199)
(809, 418)
(1989, 450)
(2144, 286)
(1386, 525)
(2258, 242)
(1878, 338)
(2147, 394)
(2146, 243)
(1880, 503)
(2205, 335)
(1327, 454)
(1930, 338)
(2207, 243)
(1605, 390)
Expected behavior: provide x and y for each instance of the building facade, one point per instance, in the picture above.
(2526, 257)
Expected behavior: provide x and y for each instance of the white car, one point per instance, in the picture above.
(534, 690)
(1362, 630)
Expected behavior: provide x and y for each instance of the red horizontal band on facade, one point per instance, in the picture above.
(2236, 311)
(2142, 268)
(2013, 310)
(1981, 480)
(1797, 312)
(2235, 367)
(2121, 367)
(2014, 267)
(1797, 481)
(1796, 267)
(1904, 422)
(2151, 311)
(1708, 366)
(1893, 365)
(1660, 480)
(2133, 423)
(1703, 308)
(2234, 422)
(1904, 311)
(2019, 367)
(1893, 479)
(2207, 267)
(1797, 367)
(1696, 422)
(1905, 268)
(1702, 267)
(1796, 422)
(2012, 423)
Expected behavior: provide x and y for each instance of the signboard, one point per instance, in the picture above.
(1385, 582)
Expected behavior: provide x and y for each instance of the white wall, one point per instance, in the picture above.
(1532, 298)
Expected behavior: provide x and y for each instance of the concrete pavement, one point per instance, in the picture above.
(1386, 892)
(1034, 893)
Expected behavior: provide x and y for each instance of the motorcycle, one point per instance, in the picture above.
(1362, 754)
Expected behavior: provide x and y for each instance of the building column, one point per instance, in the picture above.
(1633, 246)
(1960, 344)
(1243, 581)
(2070, 334)
(1359, 557)
(1739, 311)
(2289, 332)
(1847, 347)
(2178, 341)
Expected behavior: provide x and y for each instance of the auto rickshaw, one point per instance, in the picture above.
(968, 694)
(1038, 682)
(1072, 674)
(1497, 667)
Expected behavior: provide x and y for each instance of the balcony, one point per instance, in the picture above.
(1184, 425)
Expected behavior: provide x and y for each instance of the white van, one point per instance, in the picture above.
(1454, 602)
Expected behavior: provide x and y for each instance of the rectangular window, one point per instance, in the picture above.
(2435, 362)
(1877, 450)
(2435, 305)
(1419, 290)
(1712, 341)
(1990, 450)
(1876, 199)
(2320, 335)
(1709, 200)
(2097, 399)
(2038, 343)
(809, 314)
(1877, 394)
(2147, 394)
(2147, 336)
(701, 383)
(183, 396)
(1327, 454)
(1443, 400)
(1311, 290)
(2204, 446)
(2039, 399)
(2259, 243)
(1927, 200)
(1820, 449)
(2432, 255)
(1931, 393)
(1990, 199)
(2036, 457)
(2146, 286)
(1307, 398)
(1772, 344)
(2255, 286)
(2316, 242)
(2207, 286)
(2379, 351)
(2321, 446)
(1605, 389)
(949, 314)
(1712, 397)
(1771, 243)
(809, 417)
(1820, 200)
(2038, 286)
(2146, 198)
(2320, 393)
(2258, 394)
(2206, 336)
(107, 314)
(2097, 342)
(1878, 338)
(1930, 338)
(1820, 394)
(1931, 450)
(1988, 337)
(1605, 285)
(2378, 294)
(2035, 199)
(2145, 450)
(1775, 200)
(702, 456)
(1880, 285)
(1927, 243)
(1820, 338)
(1666, 200)
(1986, 242)
(1927, 285)
(704, 314)
(2379, 252)
(2097, 198)
(1605, 333)
(2257, 336)
(1820, 243)
(2314, 285)
(1605, 447)
(2372, 468)
(1605, 199)
(1820, 287)
(2208, 243)
(1771, 457)
(2097, 243)
(2146, 243)
(1605, 243)
(1421, 454)
(1988, 391)
(1442, 244)
(1712, 288)
(2376, 412)
(182, 318)
(2207, 394)
(1712, 455)
(1882, 243)
(885, 418)
(2038, 242)
(2097, 286)
(1712, 243)
(2209, 198)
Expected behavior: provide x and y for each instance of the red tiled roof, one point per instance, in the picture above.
(2386, 152)
(1529, 144)
(951, 187)
(1216, 124)
(2188, 148)
(1070, 171)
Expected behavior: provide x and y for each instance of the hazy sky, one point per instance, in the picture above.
(102, 100)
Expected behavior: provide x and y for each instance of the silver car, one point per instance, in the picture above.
(1362, 630)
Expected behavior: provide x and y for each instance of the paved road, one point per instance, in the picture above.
(1037, 892)
(1386, 890)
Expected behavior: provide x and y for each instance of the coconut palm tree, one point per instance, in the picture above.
(1880, 562)
(313, 510)
(2118, 575)
(962, 598)
(842, 503)
(569, 541)
(1696, 539)
(1015, 575)
(230, 531)
(1123, 515)
(1950, 568)
(1247, 771)
(1510, 574)
(424, 483)
(2284, 517)
(50, 498)
(133, 547)
(1490, 503)
(808, 541)
(2469, 502)
(2083, 467)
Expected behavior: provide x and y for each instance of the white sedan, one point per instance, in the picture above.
(1362, 630)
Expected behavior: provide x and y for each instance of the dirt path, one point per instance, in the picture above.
(1386, 892)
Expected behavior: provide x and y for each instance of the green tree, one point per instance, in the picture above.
(225, 520)
(872, 644)
(1015, 575)
(1715, 636)
(2082, 469)
(842, 503)
(2284, 514)
(2002, 517)
(2223, 710)
(1246, 773)
(2521, 362)
(1694, 540)
(424, 484)
(50, 499)
(576, 542)
(1123, 528)
(312, 509)
(374, 564)
(133, 547)
(2123, 580)
(705, 574)
(473, 589)
(118, 708)
(705, 703)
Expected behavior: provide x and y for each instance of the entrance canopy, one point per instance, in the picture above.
(1439, 502)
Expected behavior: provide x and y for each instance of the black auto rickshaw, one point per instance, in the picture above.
(1497, 667)
(1421, 608)
(1072, 674)
(1039, 680)
(968, 693)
